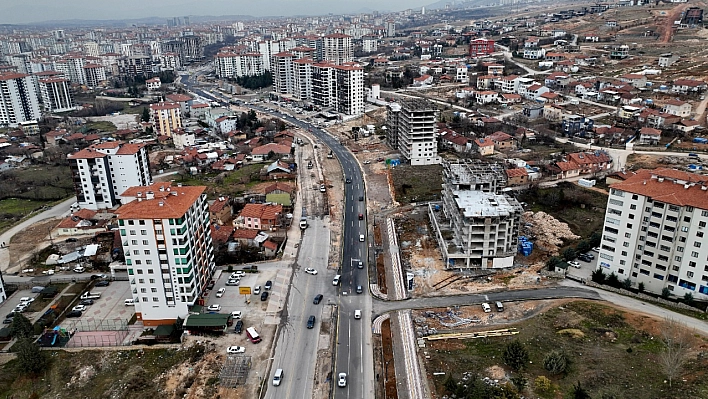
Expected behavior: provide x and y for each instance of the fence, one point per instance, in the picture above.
(643, 297)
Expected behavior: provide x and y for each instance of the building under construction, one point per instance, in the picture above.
(692, 17)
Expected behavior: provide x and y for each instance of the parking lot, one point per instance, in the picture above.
(586, 268)
(110, 306)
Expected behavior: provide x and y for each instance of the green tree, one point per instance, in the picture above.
(555, 362)
(665, 293)
(578, 392)
(598, 276)
(595, 239)
(552, 262)
(613, 280)
(21, 327)
(627, 283)
(569, 254)
(146, 115)
(688, 298)
(583, 246)
(640, 287)
(30, 358)
(520, 382)
(515, 355)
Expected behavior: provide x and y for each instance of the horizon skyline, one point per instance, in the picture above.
(22, 13)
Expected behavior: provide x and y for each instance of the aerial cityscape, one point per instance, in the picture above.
(290, 199)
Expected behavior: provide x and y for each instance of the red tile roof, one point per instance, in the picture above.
(516, 172)
(677, 188)
(261, 211)
(247, 234)
(175, 203)
(221, 234)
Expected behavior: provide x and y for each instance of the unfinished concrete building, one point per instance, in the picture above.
(476, 225)
(412, 130)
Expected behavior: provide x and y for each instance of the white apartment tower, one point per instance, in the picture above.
(302, 69)
(232, 65)
(56, 96)
(655, 232)
(168, 249)
(283, 73)
(349, 89)
(95, 74)
(103, 171)
(416, 133)
(18, 99)
(337, 48)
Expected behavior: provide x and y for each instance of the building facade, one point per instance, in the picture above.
(168, 249)
(415, 130)
(654, 232)
(102, 172)
(166, 117)
(56, 96)
(338, 48)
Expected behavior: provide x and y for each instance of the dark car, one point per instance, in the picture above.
(264, 295)
(311, 322)
(348, 180)
(268, 285)
(70, 240)
(98, 276)
(7, 321)
(103, 283)
(86, 302)
(361, 216)
(584, 258)
(10, 315)
(74, 313)
(361, 198)
(211, 284)
(239, 327)
(318, 299)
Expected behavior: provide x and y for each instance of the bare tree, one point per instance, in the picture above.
(677, 343)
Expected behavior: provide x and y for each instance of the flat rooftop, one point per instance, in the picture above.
(476, 204)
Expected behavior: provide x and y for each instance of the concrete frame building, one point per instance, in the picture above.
(232, 65)
(415, 130)
(166, 117)
(483, 223)
(102, 172)
(283, 73)
(18, 99)
(56, 96)
(338, 48)
(168, 249)
(654, 232)
(95, 74)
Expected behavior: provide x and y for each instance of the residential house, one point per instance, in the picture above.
(495, 69)
(667, 59)
(485, 82)
(486, 97)
(535, 91)
(517, 177)
(534, 53)
(198, 110)
(483, 146)
(686, 125)
(502, 141)
(226, 124)
(263, 152)
(635, 79)
(245, 237)
(549, 97)
(181, 99)
(260, 217)
(591, 162)
(457, 142)
(678, 108)
(81, 222)
(685, 86)
(153, 84)
(509, 98)
(648, 135)
(425, 80)
(567, 170)
(553, 113)
(557, 80)
(533, 111)
(509, 84)
(220, 211)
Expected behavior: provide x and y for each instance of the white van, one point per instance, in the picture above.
(335, 281)
(129, 302)
(486, 307)
(361, 238)
(277, 377)
(357, 314)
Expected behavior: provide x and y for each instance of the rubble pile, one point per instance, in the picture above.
(549, 232)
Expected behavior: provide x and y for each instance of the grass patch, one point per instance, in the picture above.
(227, 183)
(608, 350)
(417, 183)
(101, 126)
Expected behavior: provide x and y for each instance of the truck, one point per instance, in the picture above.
(90, 295)
(303, 219)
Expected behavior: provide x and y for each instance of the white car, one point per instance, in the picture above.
(233, 281)
(575, 264)
(26, 300)
(235, 349)
(310, 270)
(256, 290)
(20, 308)
(342, 380)
(220, 292)
(79, 308)
(236, 314)
(596, 249)
(214, 308)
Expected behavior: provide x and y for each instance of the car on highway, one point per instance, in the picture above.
(79, 308)
(239, 327)
(342, 380)
(310, 270)
(348, 180)
(361, 216)
(361, 198)
(256, 290)
(220, 292)
(361, 238)
(357, 314)
(233, 281)
(323, 188)
(311, 322)
(214, 308)
(268, 285)
(264, 295)
(360, 265)
(318, 299)
(359, 289)
(235, 349)
(575, 264)
(73, 313)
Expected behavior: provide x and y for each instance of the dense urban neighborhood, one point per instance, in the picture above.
(462, 200)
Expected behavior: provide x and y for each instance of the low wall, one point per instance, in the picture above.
(643, 297)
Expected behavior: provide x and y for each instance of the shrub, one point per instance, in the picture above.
(542, 384)
(569, 254)
(665, 293)
(613, 280)
(555, 362)
(515, 355)
(640, 287)
(598, 276)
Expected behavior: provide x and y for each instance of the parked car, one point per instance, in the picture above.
(486, 307)
(235, 349)
(318, 299)
(233, 281)
(236, 314)
(220, 292)
(589, 255)
(575, 264)
(79, 308)
(86, 302)
(596, 249)
(102, 283)
(264, 295)
(256, 290)
(268, 285)
(214, 308)
(73, 313)
(310, 270)
(239, 327)
(311, 322)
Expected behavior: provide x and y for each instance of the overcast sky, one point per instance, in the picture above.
(24, 11)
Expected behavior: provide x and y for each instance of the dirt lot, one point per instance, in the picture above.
(30, 240)
(610, 352)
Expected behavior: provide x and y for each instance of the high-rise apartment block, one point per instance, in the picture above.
(56, 96)
(655, 232)
(412, 130)
(166, 117)
(338, 48)
(232, 65)
(168, 249)
(18, 99)
(102, 172)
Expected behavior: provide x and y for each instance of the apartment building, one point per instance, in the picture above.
(72, 66)
(338, 48)
(168, 249)
(654, 232)
(18, 99)
(166, 117)
(302, 86)
(95, 74)
(481, 47)
(56, 96)
(349, 89)
(232, 65)
(475, 224)
(415, 130)
(102, 172)
(283, 73)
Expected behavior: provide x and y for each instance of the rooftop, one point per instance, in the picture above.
(477, 204)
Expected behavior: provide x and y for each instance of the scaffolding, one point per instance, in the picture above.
(235, 371)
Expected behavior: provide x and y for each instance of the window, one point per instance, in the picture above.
(689, 274)
(143, 290)
(134, 242)
(613, 221)
(673, 208)
(616, 202)
(143, 232)
(150, 271)
(687, 219)
(633, 207)
(141, 281)
(631, 216)
(136, 252)
(627, 235)
(138, 262)
(629, 225)
(675, 268)
(153, 289)
(132, 232)
(663, 258)
(131, 222)
(677, 258)
(152, 281)
(682, 239)
(614, 211)
(684, 229)
(701, 224)
(140, 271)
(141, 222)
(155, 299)
(667, 238)
(704, 213)
(692, 264)
(611, 230)
(647, 209)
(694, 254)
(145, 242)
(699, 234)
(665, 248)
(696, 244)
(624, 253)
(625, 244)
(148, 262)
(620, 271)
(635, 197)
(659, 205)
